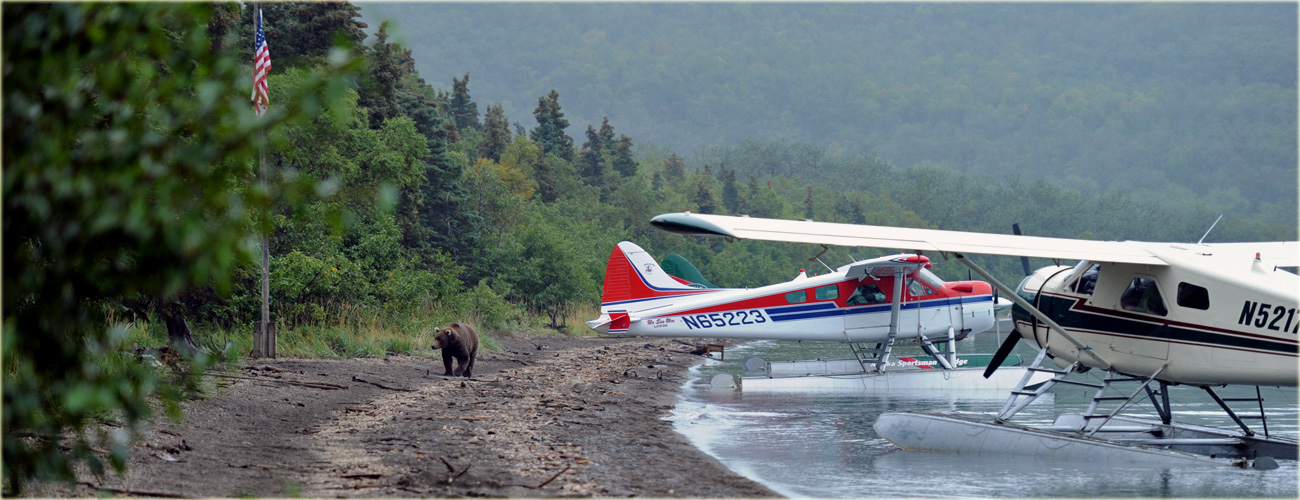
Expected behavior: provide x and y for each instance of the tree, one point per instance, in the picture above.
(549, 133)
(731, 198)
(591, 163)
(762, 202)
(606, 134)
(544, 172)
(380, 86)
(463, 109)
(496, 133)
(302, 33)
(622, 161)
(675, 168)
(129, 148)
(702, 198)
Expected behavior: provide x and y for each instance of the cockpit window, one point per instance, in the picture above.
(930, 278)
(1143, 296)
(867, 294)
(1088, 281)
(917, 289)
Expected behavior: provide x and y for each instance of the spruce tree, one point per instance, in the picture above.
(856, 215)
(675, 168)
(606, 135)
(622, 160)
(496, 133)
(378, 92)
(463, 109)
(730, 194)
(702, 197)
(591, 163)
(547, 184)
(549, 133)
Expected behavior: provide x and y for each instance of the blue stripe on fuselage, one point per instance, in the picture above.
(828, 308)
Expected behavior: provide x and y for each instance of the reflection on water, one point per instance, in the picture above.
(821, 444)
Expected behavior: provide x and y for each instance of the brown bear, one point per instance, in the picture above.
(459, 341)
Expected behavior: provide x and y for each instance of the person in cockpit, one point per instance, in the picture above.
(867, 294)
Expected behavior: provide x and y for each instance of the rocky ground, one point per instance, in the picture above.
(545, 416)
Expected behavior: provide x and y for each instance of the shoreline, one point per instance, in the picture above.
(545, 416)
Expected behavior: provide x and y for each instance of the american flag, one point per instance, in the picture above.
(261, 66)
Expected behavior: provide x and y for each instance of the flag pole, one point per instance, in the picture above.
(264, 334)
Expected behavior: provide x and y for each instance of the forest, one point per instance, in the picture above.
(1178, 101)
(394, 203)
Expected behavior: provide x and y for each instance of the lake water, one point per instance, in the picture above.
(821, 444)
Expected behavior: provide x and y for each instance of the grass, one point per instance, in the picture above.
(351, 332)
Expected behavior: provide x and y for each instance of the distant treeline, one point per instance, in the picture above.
(1180, 101)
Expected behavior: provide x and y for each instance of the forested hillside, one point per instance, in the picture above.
(1192, 103)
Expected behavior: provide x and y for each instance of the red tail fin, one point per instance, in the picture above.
(631, 274)
(617, 273)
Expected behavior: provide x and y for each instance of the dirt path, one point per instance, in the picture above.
(544, 417)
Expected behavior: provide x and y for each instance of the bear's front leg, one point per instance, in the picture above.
(460, 366)
(446, 362)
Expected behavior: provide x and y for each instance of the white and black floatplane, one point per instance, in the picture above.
(871, 305)
(1148, 315)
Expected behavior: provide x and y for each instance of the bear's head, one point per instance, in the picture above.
(445, 337)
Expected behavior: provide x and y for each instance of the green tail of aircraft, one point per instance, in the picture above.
(678, 266)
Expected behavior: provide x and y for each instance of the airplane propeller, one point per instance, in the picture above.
(1003, 351)
(1008, 343)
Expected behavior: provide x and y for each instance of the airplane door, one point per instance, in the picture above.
(867, 311)
(924, 318)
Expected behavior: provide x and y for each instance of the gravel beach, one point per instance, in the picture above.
(545, 416)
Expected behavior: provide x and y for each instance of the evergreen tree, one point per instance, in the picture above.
(856, 215)
(379, 86)
(591, 163)
(702, 197)
(302, 33)
(606, 135)
(731, 199)
(463, 109)
(622, 161)
(547, 183)
(762, 201)
(549, 133)
(496, 133)
(675, 168)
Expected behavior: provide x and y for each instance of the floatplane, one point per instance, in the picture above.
(871, 305)
(1149, 314)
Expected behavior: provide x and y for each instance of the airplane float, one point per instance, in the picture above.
(1160, 314)
(882, 301)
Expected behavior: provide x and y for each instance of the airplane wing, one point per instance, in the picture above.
(885, 266)
(1273, 253)
(907, 239)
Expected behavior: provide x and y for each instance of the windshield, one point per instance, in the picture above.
(930, 279)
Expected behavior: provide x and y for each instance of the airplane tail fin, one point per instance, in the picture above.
(633, 275)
